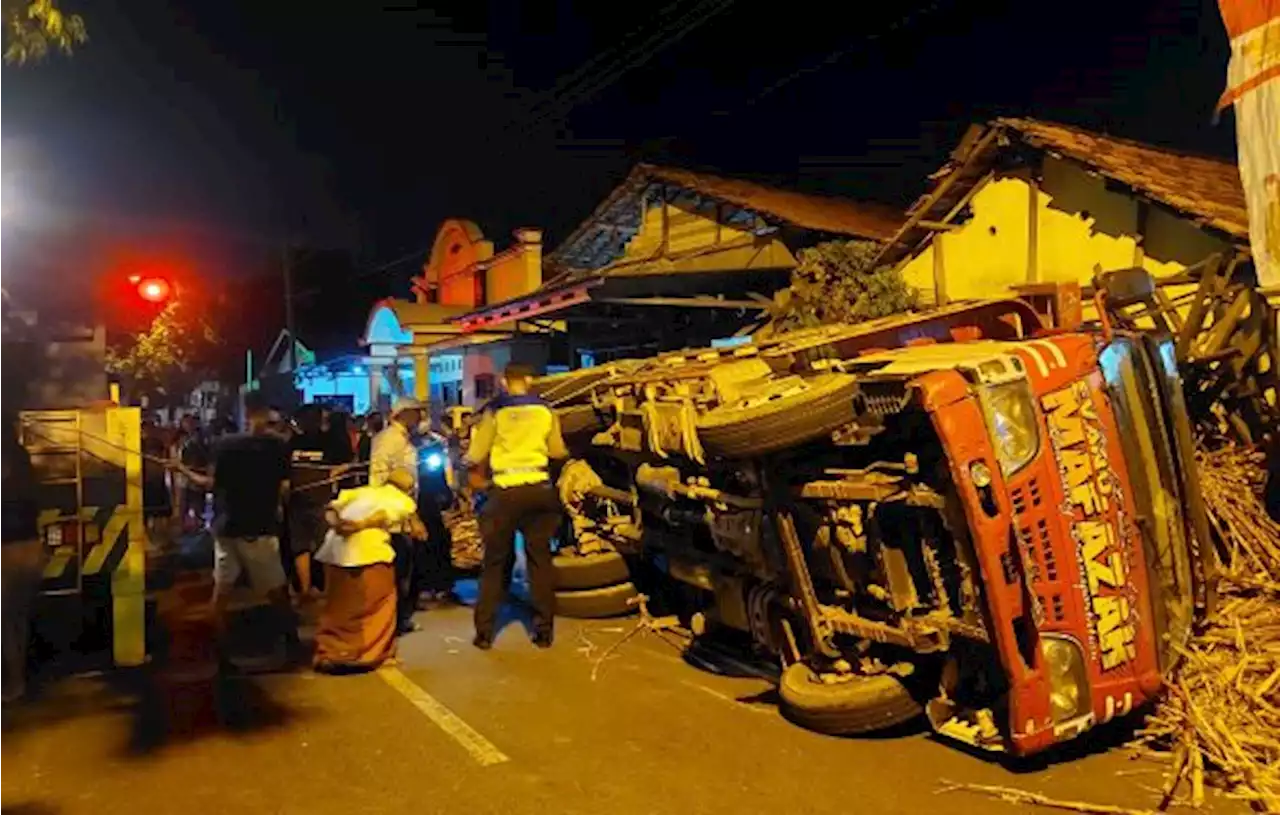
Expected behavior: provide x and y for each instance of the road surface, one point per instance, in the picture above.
(514, 730)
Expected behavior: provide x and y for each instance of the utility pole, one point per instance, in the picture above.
(287, 264)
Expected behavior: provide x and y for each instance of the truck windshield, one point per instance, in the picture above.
(1139, 408)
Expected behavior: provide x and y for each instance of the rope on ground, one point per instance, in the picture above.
(647, 623)
(1019, 797)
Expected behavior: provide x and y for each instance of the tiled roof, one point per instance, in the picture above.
(1207, 189)
(600, 239)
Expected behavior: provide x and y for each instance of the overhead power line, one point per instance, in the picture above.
(601, 59)
(908, 19)
(381, 268)
(587, 82)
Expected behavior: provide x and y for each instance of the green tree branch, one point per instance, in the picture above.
(835, 283)
(171, 357)
(34, 27)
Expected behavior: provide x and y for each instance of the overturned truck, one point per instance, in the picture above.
(965, 513)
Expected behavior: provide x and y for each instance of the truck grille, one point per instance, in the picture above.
(881, 399)
(1037, 546)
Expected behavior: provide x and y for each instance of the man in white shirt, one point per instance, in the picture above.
(393, 449)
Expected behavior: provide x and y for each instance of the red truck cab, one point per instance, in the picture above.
(1072, 469)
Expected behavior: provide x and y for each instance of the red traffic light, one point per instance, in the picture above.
(154, 289)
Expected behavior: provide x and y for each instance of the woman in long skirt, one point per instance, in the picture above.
(358, 623)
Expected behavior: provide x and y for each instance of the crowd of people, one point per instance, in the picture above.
(319, 512)
(331, 518)
(269, 495)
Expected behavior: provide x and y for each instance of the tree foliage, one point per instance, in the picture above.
(835, 283)
(171, 357)
(34, 27)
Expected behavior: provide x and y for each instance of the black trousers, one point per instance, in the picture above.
(435, 559)
(534, 511)
(408, 576)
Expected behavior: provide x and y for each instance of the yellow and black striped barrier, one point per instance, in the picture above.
(88, 466)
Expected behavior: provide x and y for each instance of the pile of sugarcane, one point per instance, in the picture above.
(1219, 722)
(466, 549)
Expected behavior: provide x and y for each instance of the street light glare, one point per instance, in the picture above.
(154, 290)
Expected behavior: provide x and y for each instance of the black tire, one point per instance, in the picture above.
(562, 388)
(739, 431)
(578, 420)
(861, 705)
(591, 604)
(594, 571)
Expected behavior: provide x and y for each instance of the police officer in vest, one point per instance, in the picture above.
(518, 436)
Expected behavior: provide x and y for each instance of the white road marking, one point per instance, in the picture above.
(724, 697)
(480, 748)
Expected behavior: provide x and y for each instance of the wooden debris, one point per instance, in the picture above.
(466, 547)
(1021, 797)
(1219, 722)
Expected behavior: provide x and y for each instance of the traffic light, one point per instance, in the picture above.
(133, 287)
(154, 289)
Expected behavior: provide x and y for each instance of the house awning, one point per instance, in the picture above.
(602, 294)
(402, 325)
(669, 240)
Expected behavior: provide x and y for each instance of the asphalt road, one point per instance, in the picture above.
(514, 730)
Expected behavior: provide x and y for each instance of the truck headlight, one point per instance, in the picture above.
(1011, 419)
(1068, 677)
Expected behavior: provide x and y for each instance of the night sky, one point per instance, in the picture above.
(215, 131)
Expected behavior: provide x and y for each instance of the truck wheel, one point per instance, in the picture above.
(575, 571)
(861, 705)
(610, 601)
(771, 422)
(579, 420)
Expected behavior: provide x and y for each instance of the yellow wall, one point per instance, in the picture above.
(514, 273)
(461, 253)
(696, 240)
(688, 231)
(1079, 223)
(459, 245)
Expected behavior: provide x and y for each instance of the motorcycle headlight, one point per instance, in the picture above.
(434, 461)
(1011, 419)
(1063, 660)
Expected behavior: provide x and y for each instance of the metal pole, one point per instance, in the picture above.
(288, 309)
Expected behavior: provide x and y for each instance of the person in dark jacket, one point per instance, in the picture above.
(193, 451)
(24, 556)
(157, 503)
(341, 449)
(311, 462)
(373, 424)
